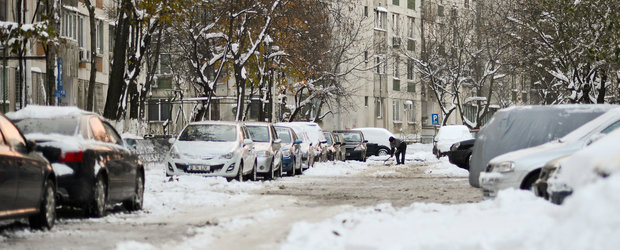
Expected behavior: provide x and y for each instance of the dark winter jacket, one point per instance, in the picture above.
(396, 143)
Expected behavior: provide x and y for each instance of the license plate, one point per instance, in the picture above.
(199, 167)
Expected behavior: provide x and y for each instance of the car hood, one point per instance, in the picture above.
(534, 157)
(202, 149)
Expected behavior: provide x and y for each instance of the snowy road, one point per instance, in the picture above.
(192, 212)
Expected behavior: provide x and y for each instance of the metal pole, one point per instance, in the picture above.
(4, 81)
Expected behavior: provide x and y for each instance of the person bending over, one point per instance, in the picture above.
(401, 148)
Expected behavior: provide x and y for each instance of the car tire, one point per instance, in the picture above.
(98, 204)
(271, 174)
(47, 213)
(301, 170)
(137, 200)
(279, 175)
(528, 184)
(240, 173)
(292, 171)
(253, 175)
(383, 152)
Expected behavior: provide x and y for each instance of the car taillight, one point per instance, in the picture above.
(72, 157)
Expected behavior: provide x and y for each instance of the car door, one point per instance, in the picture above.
(8, 179)
(126, 160)
(248, 153)
(276, 147)
(107, 157)
(29, 170)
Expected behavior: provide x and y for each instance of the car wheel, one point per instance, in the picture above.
(271, 174)
(528, 184)
(280, 170)
(47, 214)
(97, 208)
(253, 176)
(138, 199)
(292, 171)
(240, 173)
(301, 169)
(383, 152)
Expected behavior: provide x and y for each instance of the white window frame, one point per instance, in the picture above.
(396, 69)
(396, 111)
(379, 109)
(410, 111)
(380, 60)
(380, 19)
(395, 24)
(410, 27)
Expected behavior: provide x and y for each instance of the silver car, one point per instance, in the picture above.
(521, 168)
(306, 145)
(213, 149)
(268, 149)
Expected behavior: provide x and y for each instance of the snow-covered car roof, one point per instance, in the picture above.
(454, 133)
(46, 112)
(312, 130)
(527, 126)
(379, 136)
(599, 159)
(214, 122)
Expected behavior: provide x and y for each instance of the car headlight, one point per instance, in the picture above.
(228, 155)
(174, 154)
(502, 167)
(263, 153)
(286, 152)
(455, 146)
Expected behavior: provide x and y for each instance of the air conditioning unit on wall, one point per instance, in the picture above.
(84, 55)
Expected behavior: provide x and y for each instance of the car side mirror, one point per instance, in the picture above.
(30, 146)
(247, 142)
(365, 141)
(298, 142)
(337, 143)
(172, 140)
(324, 142)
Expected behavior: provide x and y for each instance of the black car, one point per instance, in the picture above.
(460, 153)
(93, 167)
(354, 144)
(27, 181)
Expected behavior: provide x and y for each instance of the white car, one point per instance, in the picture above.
(378, 140)
(213, 149)
(308, 151)
(268, 149)
(521, 168)
(449, 135)
(315, 134)
(594, 162)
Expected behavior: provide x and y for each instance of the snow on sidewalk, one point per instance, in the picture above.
(514, 220)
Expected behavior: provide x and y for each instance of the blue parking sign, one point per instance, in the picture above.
(435, 119)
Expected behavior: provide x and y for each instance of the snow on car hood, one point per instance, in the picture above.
(63, 142)
(201, 149)
(539, 154)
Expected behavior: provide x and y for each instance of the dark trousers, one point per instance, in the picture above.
(400, 154)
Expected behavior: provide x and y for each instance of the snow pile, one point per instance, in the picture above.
(163, 196)
(335, 168)
(445, 168)
(514, 220)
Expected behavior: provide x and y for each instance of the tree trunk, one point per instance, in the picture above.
(93, 60)
(601, 91)
(117, 81)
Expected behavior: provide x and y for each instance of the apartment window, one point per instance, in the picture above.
(411, 87)
(381, 64)
(3, 10)
(395, 2)
(111, 30)
(99, 34)
(410, 69)
(396, 71)
(466, 4)
(365, 101)
(395, 24)
(410, 111)
(411, 4)
(366, 56)
(381, 18)
(396, 110)
(159, 110)
(396, 84)
(366, 11)
(163, 68)
(410, 26)
(81, 34)
(69, 25)
(379, 109)
(410, 44)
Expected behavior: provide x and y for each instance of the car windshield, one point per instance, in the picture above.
(58, 125)
(329, 139)
(351, 136)
(209, 133)
(284, 135)
(259, 133)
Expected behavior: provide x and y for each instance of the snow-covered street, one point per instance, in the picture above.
(191, 212)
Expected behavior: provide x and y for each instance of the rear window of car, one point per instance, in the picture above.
(209, 133)
(284, 135)
(259, 133)
(58, 125)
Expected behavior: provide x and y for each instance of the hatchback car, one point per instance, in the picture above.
(521, 168)
(335, 150)
(268, 149)
(447, 136)
(378, 140)
(291, 151)
(315, 134)
(354, 144)
(460, 153)
(93, 167)
(213, 148)
(306, 146)
(27, 181)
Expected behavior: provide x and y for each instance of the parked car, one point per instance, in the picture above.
(520, 127)
(542, 183)
(378, 140)
(334, 149)
(94, 169)
(315, 134)
(268, 149)
(447, 136)
(521, 168)
(27, 180)
(291, 151)
(599, 160)
(460, 153)
(213, 148)
(354, 144)
(307, 147)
